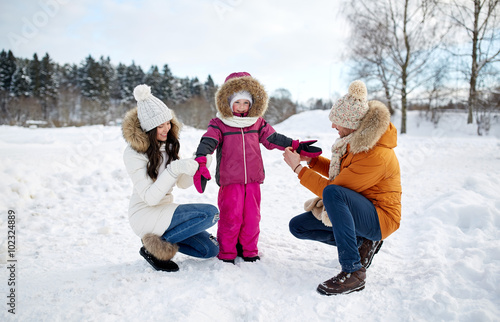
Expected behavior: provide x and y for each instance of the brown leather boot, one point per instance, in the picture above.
(367, 251)
(344, 283)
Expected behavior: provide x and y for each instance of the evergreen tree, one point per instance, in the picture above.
(167, 84)
(48, 86)
(181, 90)
(67, 76)
(121, 90)
(195, 87)
(68, 95)
(209, 89)
(154, 79)
(210, 82)
(105, 76)
(7, 69)
(20, 85)
(34, 73)
(89, 81)
(135, 76)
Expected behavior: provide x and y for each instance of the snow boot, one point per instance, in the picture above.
(239, 251)
(251, 259)
(367, 251)
(159, 265)
(344, 283)
(228, 261)
(158, 252)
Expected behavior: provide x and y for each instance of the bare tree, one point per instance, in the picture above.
(478, 21)
(393, 43)
(280, 106)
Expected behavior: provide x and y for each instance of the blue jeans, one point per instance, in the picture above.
(187, 230)
(353, 218)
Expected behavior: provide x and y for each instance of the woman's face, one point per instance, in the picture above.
(343, 131)
(162, 131)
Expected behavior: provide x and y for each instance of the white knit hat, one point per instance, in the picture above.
(150, 110)
(350, 109)
(240, 95)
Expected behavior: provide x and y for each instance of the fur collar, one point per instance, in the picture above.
(135, 136)
(247, 83)
(373, 125)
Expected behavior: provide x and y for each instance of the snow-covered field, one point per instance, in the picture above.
(78, 260)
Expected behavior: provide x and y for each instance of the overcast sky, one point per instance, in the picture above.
(297, 45)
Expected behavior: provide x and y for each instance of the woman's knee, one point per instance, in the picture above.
(209, 212)
(214, 213)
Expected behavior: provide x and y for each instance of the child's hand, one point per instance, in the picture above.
(202, 175)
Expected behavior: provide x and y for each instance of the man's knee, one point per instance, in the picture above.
(332, 191)
(293, 227)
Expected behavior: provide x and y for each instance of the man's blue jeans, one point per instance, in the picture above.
(187, 230)
(353, 218)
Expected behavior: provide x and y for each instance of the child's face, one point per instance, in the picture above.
(241, 106)
(162, 131)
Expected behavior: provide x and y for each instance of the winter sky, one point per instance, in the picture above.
(297, 45)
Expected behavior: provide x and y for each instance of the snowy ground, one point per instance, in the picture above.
(77, 258)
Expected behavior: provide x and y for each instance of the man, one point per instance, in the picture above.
(359, 189)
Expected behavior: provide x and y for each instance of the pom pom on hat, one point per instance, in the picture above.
(150, 110)
(350, 109)
(141, 92)
(357, 89)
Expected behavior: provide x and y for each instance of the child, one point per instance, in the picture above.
(236, 133)
(152, 161)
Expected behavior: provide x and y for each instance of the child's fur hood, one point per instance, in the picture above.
(246, 83)
(136, 137)
(373, 125)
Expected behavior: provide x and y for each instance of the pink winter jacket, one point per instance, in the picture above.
(238, 152)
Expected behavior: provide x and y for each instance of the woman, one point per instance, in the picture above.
(152, 161)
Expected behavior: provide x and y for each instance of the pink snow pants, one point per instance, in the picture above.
(239, 206)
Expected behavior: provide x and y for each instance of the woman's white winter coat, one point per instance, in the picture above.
(152, 204)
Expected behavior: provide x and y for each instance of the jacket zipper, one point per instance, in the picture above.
(244, 155)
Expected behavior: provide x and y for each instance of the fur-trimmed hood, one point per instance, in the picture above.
(246, 83)
(372, 127)
(136, 137)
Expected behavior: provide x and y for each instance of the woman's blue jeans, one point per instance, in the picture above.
(353, 218)
(187, 230)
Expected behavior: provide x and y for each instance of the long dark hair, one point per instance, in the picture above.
(154, 155)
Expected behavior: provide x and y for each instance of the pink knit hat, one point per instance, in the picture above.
(350, 109)
(238, 74)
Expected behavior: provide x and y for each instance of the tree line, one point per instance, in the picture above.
(413, 51)
(43, 92)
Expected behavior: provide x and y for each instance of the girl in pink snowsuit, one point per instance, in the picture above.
(236, 134)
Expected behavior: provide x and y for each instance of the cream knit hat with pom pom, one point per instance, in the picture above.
(150, 110)
(350, 109)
